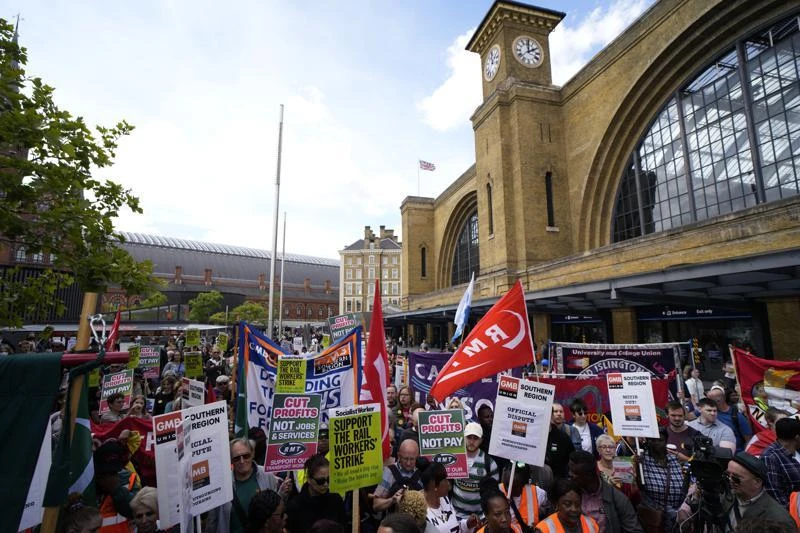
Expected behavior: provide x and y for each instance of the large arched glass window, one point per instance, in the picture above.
(719, 145)
(465, 259)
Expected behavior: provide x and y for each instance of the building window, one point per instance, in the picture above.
(349, 260)
(394, 259)
(385, 273)
(394, 273)
(548, 192)
(489, 203)
(358, 289)
(330, 310)
(309, 312)
(695, 160)
(371, 259)
(370, 289)
(348, 289)
(358, 260)
(299, 311)
(348, 306)
(385, 289)
(371, 245)
(384, 260)
(465, 259)
(358, 274)
(349, 274)
(321, 312)
(371, 274)
(423, 262)
(358, 306)
(395, 287)
(21, 255)
(286, 311)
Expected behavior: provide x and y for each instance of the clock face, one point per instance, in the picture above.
(492, 63)
(528, 51)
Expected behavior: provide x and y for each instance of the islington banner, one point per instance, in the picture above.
(334, 374)
(441, 439)
(294, 431)
(601, 359)
(767, 383)
(167, 474)
(522, 420)
(119, 382)
(632, 407)
(423, 367)
(355, 439)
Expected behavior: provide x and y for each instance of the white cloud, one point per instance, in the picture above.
(453, 102)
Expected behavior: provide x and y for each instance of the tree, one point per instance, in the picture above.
(251, 312)
(50, 202)
(155, 299)
(204, 305)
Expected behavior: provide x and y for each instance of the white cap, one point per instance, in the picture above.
(473, 428)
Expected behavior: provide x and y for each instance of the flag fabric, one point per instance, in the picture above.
(28, 389)
(424, 165)
(500, 340)
(462, 312)
(376, 368)
(211, 396)
(114, 334)
(766, 383)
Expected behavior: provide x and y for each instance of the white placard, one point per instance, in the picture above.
(522, 420)
(193, 393)
(297, 344)
(168, 475)
(209, 456)
(183, 438)
(33, 512)
(633, 409)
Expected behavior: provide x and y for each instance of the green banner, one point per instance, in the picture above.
(193, 362)
(355, 440)
(291, 376)
(133, 356)
(192, 337)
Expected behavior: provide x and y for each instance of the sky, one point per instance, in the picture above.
(368, 88)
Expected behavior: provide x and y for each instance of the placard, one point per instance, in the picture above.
(150, 361)
(209, 456)
(297, 344)
(168, 475)
(193, 393)
(183, 438)
(222, 341)
(522, 420)
(632, 407)
(294, 431)
(441, 439)
(94, 378)
(121, 382)
(291, 377)
(134, 352)
(192, 337)
(193, 362)
(356, 454)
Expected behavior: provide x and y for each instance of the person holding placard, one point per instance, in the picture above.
(441, 517)
(616, 471)
(315, 501)
(466, 493)
(398, 477)
(568, 517)
(176, 365)
(528, 502)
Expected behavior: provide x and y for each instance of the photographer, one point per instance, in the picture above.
(662, 487)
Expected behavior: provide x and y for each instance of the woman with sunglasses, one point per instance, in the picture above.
(315, 501)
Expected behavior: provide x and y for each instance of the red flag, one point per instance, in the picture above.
(376, 368)
(501, 340)
(112, 336)
(211, 397)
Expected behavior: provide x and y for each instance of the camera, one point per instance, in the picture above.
(707, 467)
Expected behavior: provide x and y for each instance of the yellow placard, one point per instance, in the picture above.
(133, 356)
(192, 337)
(222, 341)
(194, 364)
(291, 377)
(355, 440)
(94, 378)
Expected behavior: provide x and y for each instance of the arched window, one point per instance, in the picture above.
(309, 312)
(698, 159)
(465, 259)
(489, 203)
(21, 255)
(330, 310)
(321, 312)
(423, 262)
(299, 311)
(286, 310)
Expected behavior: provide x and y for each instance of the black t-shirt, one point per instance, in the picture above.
(559, 446)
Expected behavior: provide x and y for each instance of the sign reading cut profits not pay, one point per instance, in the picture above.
(633, 410)
(441, 439)
(293, 432)
(522, 420)
(356, 454)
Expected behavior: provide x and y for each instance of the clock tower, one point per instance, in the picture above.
(512, 41)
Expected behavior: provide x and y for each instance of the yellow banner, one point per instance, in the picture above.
(133, 356)
(291, 376)
(355, 440)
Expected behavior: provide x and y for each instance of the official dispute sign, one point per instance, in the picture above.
(168, 475)
(522, 420)
(356, 454)
(118, 382)
(441, 439)
(209, 456)
(633, 410)
(150, 361)
(291, 377)
(293, 432)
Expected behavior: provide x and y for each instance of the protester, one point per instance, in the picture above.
(466, 491)
(223, 391)
(326, 526)
(412, 431)
(528, 502)
(315, 501)
(568, 516)
(258, 436)
(404, 400)
(767, 436)
(679, 434)
(266, 513)
(414, 503)
(247, 481)
(215, 366)
(145, 511)
(605, 466)
(441, 516)
(662, 487)
(609, 507)
(115, 486)
(398, 523)
(695, 386)
(558, 420)
(486, 420)
(559, 448)
(783, 470)
(176, 365)
(138, 408)
(728, 414)
(391, 397)
(164, 394)
(398, 477)
(496, 510)
(587, 431)
(79, 518)
(116, 403)
(707, 424)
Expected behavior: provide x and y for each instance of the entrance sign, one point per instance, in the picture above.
(168, 475)
(522, 420)
(119, 382)
(356, 453)
(293, 432)
(441, 439)
(632, 407)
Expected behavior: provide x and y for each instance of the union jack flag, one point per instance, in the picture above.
(424, 165)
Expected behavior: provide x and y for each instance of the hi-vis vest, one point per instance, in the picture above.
(114, 522)
(552, 524)
(794, 507)
(514, 527)
(528, 504)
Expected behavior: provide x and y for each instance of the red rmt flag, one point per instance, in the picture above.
(376, 368)
(501, 340)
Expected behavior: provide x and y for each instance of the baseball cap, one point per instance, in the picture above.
(473, 428)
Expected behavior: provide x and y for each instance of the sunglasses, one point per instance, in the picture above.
(243, 457)
(734, 478)
(578, 412)
(321, 480)
(146, 514)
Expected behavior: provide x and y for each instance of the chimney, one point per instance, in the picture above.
(307, 285)
(368, 233)
(178, 275)
(207, 279)
(327, 286)
(262, 285)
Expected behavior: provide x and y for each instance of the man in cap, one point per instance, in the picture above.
(747, 476)
(466, 494)
(115, 486)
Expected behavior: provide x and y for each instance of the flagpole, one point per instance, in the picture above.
(418, 193)
(283, 263)
(272, 264)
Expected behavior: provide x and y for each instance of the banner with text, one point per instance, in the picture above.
(150, 361)
(168, 474)
(601, 359)
(294, 431)
(193, 362)
(767, 383)
(441, 439)
(633, 410)
(209, 456)
(193, 393)
(355, 440)
(118, 382)
(522, 420)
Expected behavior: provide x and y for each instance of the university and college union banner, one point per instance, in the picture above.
(585, 360)
(334, 374)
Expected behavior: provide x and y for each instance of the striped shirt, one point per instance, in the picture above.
(466, 496)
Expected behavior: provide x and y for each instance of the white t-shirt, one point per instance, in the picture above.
(586, 437)
(444, 519)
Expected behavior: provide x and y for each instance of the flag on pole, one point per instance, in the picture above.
(241, 427)
(462, 312)
(114, 334)
(376, 368)
(500, 340)
(424, 165)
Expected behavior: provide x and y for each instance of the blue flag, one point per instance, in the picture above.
(462, 312)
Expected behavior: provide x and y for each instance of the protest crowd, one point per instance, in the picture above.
(446, 462)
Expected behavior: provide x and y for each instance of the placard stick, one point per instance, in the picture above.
(511, 479)
(356, 511)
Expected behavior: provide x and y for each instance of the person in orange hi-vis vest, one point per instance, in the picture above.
(568, 516)
(496, 509)
(115, 486)
(527, 500)
(794, 507)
